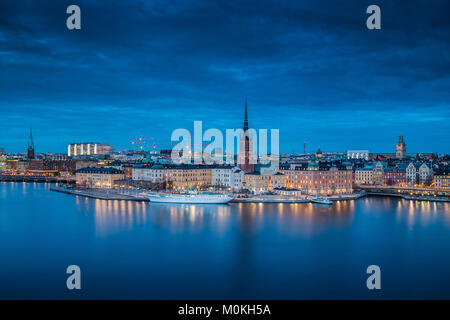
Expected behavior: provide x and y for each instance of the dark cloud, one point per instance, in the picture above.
(309, 68)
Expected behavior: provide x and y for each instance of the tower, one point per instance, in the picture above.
(400, 148)
(30, 151)
(245, 157)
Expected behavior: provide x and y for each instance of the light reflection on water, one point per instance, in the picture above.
(305, 219)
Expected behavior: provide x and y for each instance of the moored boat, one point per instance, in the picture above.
(190, 197)
(321, 200)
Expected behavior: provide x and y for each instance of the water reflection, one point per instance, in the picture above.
(421, 213)
(113, 216)
(304, 219)
(249, 218)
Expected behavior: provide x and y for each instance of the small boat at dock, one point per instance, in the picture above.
(321, 200)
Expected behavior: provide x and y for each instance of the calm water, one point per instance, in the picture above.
(293, 251)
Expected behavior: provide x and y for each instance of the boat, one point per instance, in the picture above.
(190, 197)
(321, 200)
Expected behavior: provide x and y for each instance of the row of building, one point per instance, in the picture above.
(310, 178)
(402, 174)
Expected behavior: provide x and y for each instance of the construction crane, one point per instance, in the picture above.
(139, 140)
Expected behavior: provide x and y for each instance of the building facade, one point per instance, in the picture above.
(98, 177)
(442, 179)
(364, 176)
(320, 178)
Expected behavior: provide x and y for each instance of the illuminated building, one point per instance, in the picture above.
(364, 176)
(442, 179)
(395, 175)
(320, 178)
(177, 177)
(319, 153)
(256, 182)
(358, 154)
(98, 177)
(86, 149)
(227, 176)
(417, 172)
(378, 173)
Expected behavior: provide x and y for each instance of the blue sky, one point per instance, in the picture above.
(309, 68)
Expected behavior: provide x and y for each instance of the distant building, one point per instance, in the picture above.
(2, 151)
(98, 177)
(358, 154)
(88, 148)
(319, 153)
(400, 148)
(30, 151)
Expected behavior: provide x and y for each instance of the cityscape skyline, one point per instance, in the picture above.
(164, 145)
(310, 69)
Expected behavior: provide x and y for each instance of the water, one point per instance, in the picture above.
(241, 251)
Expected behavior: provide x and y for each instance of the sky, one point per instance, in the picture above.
(309, 68)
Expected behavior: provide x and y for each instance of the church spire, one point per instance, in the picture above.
(245, 117)
(30, 140)
(30, 151)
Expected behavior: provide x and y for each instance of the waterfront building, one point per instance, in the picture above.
(400, 148)
(364, 176)
(246, 159)
(177, 177)
(258, 183)
(227, 176)
(442, 179)
(88, 148)
(98, 177)
(30, 150)
(2, 151)
(323, 178)
(358, 154)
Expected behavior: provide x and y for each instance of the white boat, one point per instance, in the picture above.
(189, 197)
(321, 200)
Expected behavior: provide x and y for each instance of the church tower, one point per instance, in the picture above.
(400, 148)
(30, 151)
(245, 156)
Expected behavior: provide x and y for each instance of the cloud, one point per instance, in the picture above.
(154, 66)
